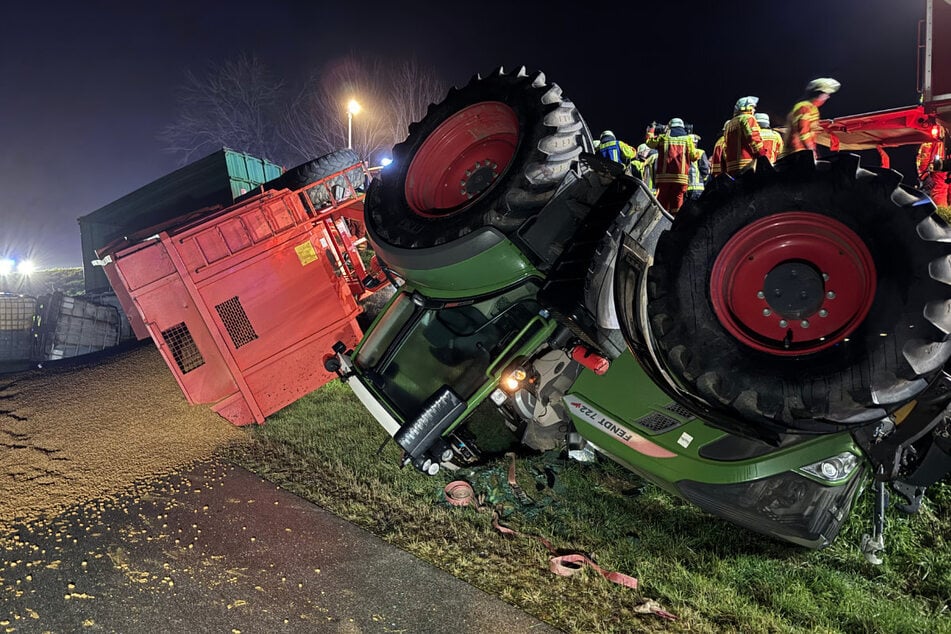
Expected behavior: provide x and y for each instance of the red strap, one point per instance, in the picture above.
(460, 493)
(567, 565)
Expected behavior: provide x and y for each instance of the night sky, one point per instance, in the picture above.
(86, 87)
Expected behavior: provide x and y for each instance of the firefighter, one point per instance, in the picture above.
(675, 152)
(618, 151)
(933, 168)
(742, 140)
(715, 167)
(802, 124)
(644, 162)
(772, 140)
(699, 172)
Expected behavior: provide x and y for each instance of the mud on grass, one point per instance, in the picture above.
(713, 576)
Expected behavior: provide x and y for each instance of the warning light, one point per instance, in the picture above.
(514, 379)
(935, 131)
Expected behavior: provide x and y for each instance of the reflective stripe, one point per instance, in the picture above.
(611, 150)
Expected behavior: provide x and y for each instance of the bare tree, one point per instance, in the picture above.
(316, 122)
(412, 89)
(391, 96)
(237, 104)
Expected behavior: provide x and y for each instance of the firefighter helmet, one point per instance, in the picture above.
(745, 103)
(607, 135)
(762, 119)
(676, 122)
(823, 84)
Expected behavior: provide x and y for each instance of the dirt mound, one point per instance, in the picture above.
(72, 434)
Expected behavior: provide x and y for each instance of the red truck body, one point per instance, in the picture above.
(245, 302)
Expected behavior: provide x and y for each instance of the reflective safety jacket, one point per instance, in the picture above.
(801, 127)
(715, 168)
(674, 156)
(617, 151)
(742, 143)
(927, 154)
(699, 171)
(643, 168)
(772, 143)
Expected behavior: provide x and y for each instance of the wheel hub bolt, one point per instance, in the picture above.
(830, 295)
(783, 323)
(825, 277)
(804, 323)
(823, 312)
(767, 312)
(761, 294)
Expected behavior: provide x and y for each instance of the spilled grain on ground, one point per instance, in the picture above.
(71, 435)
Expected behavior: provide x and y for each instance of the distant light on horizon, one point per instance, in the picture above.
(6, 266)
(26, 267)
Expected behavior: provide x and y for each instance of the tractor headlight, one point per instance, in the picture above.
(513, 380)
(833, 469)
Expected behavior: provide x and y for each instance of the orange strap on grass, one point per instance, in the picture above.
(460, 493)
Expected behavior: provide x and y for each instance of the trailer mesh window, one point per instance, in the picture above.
(657, 422)
(679, 410)
(236, 322)
(182, 346)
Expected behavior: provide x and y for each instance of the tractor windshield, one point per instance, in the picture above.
(415, 351)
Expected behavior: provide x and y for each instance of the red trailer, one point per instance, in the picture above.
(245, 302)
(912, 125)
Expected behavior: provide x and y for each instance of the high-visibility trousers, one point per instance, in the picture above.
(671, 196)
(936, 186)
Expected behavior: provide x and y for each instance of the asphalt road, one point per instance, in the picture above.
(218, 549)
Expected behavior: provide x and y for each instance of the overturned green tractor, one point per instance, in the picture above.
(766, 355)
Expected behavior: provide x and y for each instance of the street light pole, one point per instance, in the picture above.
(352, 108)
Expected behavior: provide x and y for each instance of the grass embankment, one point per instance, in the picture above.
(713, 576)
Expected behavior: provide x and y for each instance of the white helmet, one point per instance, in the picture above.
(607, 134)
(823, 84)
(676, 122)
(762, 119)
(643, 151)
(745, 103)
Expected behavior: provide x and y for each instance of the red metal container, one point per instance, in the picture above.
(245, 303)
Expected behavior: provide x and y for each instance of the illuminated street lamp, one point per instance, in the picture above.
(352, 108)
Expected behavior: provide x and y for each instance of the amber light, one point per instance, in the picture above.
(514, 379)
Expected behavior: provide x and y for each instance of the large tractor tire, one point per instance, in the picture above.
(813, 296)
(491, 154)
(322, 167)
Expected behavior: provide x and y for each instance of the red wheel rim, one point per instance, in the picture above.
(462, 159)
(793, 283)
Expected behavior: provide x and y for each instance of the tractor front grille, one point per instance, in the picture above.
(657, 423)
